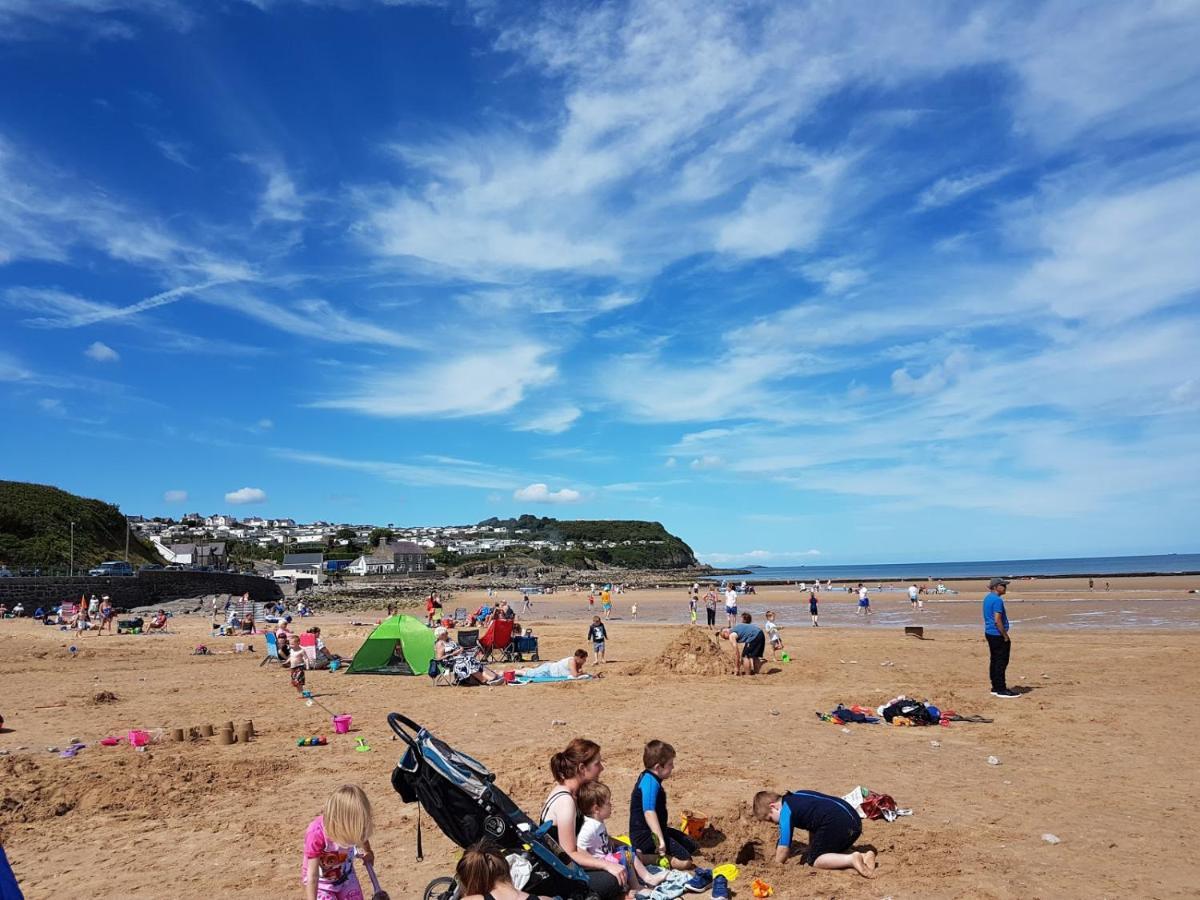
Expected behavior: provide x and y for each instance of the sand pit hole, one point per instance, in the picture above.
(104, 697)
(695, 652)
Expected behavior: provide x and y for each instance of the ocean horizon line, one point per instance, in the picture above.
(1152, 564)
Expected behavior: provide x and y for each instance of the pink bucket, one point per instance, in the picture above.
(139, 738)
(341, 724)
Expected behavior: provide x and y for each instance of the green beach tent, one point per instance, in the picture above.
(400, 645)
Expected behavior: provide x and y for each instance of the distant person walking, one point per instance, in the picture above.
(864, 600)
(526, 603)
(995, 630)
(914, 596)
(812, 606)
(731, 605)
(710, 608)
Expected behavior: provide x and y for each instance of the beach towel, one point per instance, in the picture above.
(543, 679)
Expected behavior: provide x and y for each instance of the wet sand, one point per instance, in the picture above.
(1099, 751)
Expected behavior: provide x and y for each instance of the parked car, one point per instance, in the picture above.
(112, 567)
(151, 567)
(174, 567)
(4, 573)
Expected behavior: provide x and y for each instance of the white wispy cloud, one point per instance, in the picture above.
(246, 495)
(541, 493)
(12, 369)
(46, 214)
(101, 352)
(175, 496)
(280, 200)
(552, 421)
(440, 472)
(947, 190)
(313, 318)
(175, 151)
(475, 383)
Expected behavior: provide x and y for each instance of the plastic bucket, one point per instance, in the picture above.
(693, 824)
(341, 724)
(239, 648)
(334, 665)
(139, 738)
(510, 676)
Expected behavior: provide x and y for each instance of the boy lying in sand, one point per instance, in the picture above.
(833, 825)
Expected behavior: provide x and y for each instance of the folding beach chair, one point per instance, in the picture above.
(272, 654)
(440, 673)
(497, 639)
(308, 643)
(66, 613)
(460, 616)
(468, 639)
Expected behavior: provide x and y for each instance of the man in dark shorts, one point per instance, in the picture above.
(833, 825)
(749, 645)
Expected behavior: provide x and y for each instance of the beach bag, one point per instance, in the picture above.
(913, 710)
(875, 805)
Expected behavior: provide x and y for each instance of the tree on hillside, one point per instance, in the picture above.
(379, 533)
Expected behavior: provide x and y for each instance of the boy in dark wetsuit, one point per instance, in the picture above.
(833, 825)
(648, 817)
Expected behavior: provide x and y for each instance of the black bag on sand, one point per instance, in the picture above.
(910, 709)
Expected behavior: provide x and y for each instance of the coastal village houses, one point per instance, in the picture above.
(389, 558)
(211, 555)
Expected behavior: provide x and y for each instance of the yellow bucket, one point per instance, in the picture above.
(729, 870)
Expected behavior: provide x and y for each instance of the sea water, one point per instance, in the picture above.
(1169, 564)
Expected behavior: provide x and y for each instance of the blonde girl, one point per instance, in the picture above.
(331, 843)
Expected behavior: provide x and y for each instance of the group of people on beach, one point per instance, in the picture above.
(578, 807)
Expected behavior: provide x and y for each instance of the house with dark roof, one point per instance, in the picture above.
(298, 566)
(387, 558)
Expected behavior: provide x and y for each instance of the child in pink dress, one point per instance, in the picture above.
(333, 841)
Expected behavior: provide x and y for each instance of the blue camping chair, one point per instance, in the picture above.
(272, 650)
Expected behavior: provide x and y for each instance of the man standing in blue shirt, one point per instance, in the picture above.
(995, 629)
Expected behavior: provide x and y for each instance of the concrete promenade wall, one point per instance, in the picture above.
(143, 589)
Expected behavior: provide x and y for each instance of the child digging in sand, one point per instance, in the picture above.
(332, 842)
(595, 802)
(833, 825)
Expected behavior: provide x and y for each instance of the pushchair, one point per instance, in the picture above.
(460, 794)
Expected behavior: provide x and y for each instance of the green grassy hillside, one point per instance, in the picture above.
(35, 530)
(638, 544)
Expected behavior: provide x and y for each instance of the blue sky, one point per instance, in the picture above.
(804, 282)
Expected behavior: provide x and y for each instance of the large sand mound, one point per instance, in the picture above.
(695, 652)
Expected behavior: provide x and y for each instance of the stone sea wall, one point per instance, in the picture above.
(143, 589)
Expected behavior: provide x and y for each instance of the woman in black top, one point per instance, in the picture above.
(578, 764)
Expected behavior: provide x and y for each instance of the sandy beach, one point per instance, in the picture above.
(1097, 753)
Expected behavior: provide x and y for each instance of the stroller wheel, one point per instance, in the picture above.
(443, 888)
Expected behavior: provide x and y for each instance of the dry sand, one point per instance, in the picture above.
(1102, 751)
